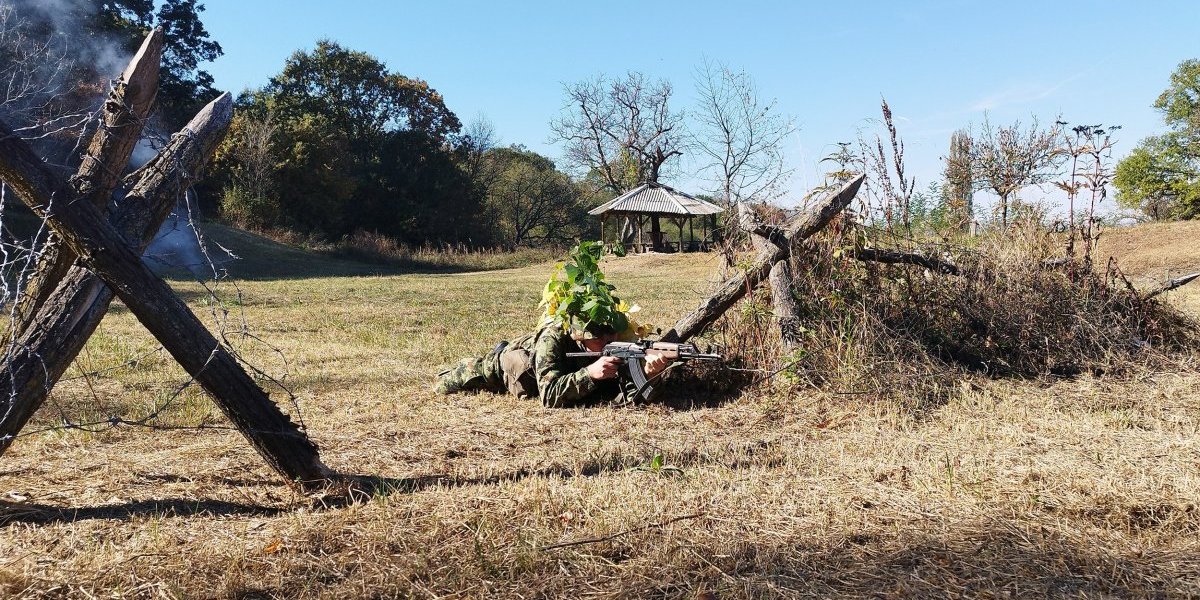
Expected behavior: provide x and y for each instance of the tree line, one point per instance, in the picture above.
(338, 143)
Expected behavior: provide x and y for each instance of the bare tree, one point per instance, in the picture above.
(739, 134)
(530, 199)
(479, 138)
(28, 75)
(1006, 159)
(623, 129)
(255, 155)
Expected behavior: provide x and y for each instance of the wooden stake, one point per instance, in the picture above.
(124, 113)
(106, 253)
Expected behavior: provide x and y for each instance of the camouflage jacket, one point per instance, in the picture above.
(563, 381)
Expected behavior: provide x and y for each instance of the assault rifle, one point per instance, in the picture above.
(634, 354)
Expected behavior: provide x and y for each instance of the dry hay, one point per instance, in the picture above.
(1007, 487)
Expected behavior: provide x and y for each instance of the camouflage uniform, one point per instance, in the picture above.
(534, 365)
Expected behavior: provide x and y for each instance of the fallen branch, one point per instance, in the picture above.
(618, 534)
(895, 257)
(1172, 284)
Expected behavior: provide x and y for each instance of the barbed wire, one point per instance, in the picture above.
(21, 250)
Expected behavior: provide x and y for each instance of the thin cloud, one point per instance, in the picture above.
(1021, 93)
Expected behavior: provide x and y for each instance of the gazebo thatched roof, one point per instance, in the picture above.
(655, 198)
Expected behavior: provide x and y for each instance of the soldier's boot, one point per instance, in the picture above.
(467, 375)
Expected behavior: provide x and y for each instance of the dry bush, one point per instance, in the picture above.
(373, 247)
(910, 333)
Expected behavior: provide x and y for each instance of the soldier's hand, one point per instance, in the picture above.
(655, 363)
(605, 367)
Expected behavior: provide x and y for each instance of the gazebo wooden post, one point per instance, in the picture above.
(603, 218)
(679, 224)
(691, 232)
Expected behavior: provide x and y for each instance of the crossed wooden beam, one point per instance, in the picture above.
(93, 256)
(774, 246)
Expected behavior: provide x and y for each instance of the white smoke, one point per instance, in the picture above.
(142, 153)
(179, 244)
(67, 20)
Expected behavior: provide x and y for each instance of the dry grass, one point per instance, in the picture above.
(1085, 487)
(1155, 252)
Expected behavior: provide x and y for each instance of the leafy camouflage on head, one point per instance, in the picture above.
(577, 297)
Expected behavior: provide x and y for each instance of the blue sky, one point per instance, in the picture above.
(940, 64)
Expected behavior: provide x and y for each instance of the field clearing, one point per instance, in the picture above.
(1081, 487)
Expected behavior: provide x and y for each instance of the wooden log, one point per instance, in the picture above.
(1172, 284)
(122, 117)
(40, 355)
(783, 300)
(895, 257)
(105, 252)
(732, 289)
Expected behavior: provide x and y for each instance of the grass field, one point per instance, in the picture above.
(1076, 487)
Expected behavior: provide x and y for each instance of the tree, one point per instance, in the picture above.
(184, 85)
(959, 190)
(739, 134)
(249, 162)
(531, 200)
(1162, 175)
(623, 129)
(1159, 178)
(1006, 159)
(92, 37)
(355, 92)
(355, 146)
(477, 141)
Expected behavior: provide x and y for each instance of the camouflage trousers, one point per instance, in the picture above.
(501, 369)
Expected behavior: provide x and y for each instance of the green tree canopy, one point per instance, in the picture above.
(1162, 175)
(530, 200)
(354, 147)
(355, 92)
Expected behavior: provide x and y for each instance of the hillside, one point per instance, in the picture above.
(1068, 487)
(1155, 249)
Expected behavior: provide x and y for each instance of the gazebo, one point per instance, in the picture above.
(653, 201)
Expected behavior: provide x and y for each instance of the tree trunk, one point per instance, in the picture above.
(783, 301)
(123, 116)
(105, 252)
(732, 289)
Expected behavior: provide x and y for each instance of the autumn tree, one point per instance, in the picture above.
(1006, 159)
(1162, 174)
(357, 146)
(739, 134)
